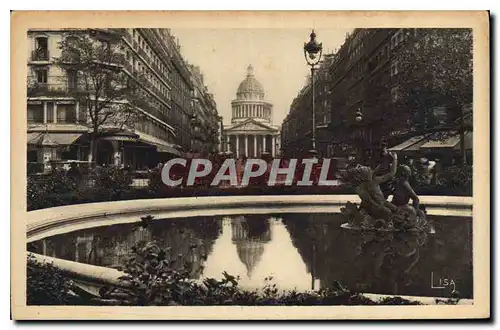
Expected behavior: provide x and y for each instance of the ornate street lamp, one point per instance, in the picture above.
(312, 54)
(359, 115)
(359, 132)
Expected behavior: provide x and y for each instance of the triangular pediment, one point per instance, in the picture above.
(251, 125)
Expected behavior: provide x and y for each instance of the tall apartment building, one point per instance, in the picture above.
(206, 120)
(363, 89)
(296, 133)
(59, 126)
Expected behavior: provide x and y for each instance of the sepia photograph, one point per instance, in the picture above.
(168, 161)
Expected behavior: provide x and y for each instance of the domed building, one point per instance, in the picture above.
(251, 132)
(250, 248)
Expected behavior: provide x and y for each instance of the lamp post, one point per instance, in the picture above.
(312, 54)
(359, 120)
(220, 123)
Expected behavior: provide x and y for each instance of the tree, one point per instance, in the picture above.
(107, 94)
(435, 70)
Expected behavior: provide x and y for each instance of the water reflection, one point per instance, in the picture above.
(385, 263)
(190, 242)
(302, 251)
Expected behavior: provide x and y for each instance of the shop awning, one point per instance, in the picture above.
(408, 143)
(32, 137)
(168, 150)
(431, 142)
(451, 142)
(160, 145)
(63, 139)
(113, 134)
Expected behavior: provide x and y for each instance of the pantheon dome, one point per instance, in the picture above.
(251, 132)
(250, 87)
(249, 102)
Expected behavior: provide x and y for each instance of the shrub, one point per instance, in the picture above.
(111, 181)
(46, 285)
(457, 176)
(155, 182)
(49, 190)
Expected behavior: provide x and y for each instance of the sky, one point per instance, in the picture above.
(276, 55)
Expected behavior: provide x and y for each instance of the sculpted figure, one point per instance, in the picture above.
(373, 200)
(403, 192)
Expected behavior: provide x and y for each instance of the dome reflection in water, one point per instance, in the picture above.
(302, 251)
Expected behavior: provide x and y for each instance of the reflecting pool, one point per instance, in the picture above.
(302, 251)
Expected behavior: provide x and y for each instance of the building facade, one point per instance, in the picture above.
(205, 124)
(59, 125)
(251, 132)
(364, 88)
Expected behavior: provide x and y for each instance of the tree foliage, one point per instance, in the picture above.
(96, 78)
(434, 69)
(46, 285)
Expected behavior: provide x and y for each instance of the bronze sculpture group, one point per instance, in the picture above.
(375, 212)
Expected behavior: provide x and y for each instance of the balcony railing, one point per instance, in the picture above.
(145, 82)
(144, 105)
(40, 55)
(144, 54)
(129, 67)
(41, 89)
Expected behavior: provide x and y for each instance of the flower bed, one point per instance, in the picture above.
(57, 189)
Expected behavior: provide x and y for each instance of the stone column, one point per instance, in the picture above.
(227, 144)
(237, 146)
(246, 145)
(55, 112)
(77, 111)
(255, 145)
(264, 142)
(273, 146)
(45, 112)
(117, 155)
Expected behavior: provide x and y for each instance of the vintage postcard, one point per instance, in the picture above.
(250, 165)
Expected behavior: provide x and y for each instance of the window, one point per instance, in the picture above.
(41, 43)
(50, 112)
(35, 113)
(41, 76)
(41, 52)
(72, 79)
(66, 113)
